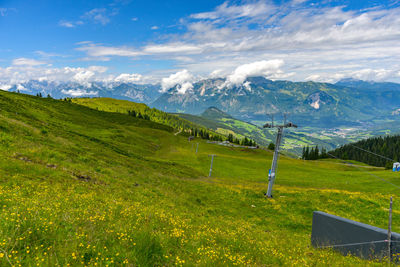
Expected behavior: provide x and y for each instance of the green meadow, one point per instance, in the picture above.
(84, 187)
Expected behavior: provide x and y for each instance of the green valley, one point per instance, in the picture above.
(89, 185)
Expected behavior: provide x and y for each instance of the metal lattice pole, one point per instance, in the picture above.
(272, 171)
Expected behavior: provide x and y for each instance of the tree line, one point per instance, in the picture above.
(244, 141)
(314, 153)
(388, 147)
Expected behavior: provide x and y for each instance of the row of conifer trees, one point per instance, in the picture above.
(379, 151)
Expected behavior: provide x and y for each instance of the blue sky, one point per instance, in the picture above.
(182, 41)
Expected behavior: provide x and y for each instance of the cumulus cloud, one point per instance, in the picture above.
(317, 42)
(308, 37)
(264, 68)
(182, 79)
(27, 62)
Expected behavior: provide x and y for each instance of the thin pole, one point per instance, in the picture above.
(197, 148)
(271, 176)
(212, 160)
(390, 230)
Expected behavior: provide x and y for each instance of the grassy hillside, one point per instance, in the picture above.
(229, 125)
(80, 186)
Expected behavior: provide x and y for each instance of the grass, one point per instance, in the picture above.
(79, 186)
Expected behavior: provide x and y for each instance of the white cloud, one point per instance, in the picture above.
(183, 79)
(128, 78)
(172, 48)
(97, 15)
(5, 87)
(83, 76)
(226, 11)
(103, 51)
(182, 88)
(79, 92)
(22, 73)
(309, 38)
(20, 87)
(27, 62)
(18, 74)
(264, 68)
(374, 74)
(316, 42)
(134, 19)
(66, 24)
(219, 73)
(154, 28)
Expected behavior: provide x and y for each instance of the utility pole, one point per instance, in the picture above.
(272, 171)
(389, 238)
(212, 160)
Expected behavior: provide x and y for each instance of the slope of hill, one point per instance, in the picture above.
(81, 186)
(143, 111)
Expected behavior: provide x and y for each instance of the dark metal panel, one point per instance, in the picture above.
(346, 235)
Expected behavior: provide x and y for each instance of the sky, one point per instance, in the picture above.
(178, 42)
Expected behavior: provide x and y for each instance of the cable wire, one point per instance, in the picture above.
(371, 152)
(354, 244)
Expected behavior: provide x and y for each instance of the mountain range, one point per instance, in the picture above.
(328, 114)
(145, 93)
(347, 102)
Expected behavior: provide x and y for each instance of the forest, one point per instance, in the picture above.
(379, 151)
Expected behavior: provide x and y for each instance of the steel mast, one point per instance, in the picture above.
(272, 171)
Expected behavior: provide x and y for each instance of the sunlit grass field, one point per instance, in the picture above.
(80, 186)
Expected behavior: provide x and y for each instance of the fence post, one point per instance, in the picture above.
(389, 239)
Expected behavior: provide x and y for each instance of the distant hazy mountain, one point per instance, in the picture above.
(128, 91)
(369, 85)
(309, 103)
